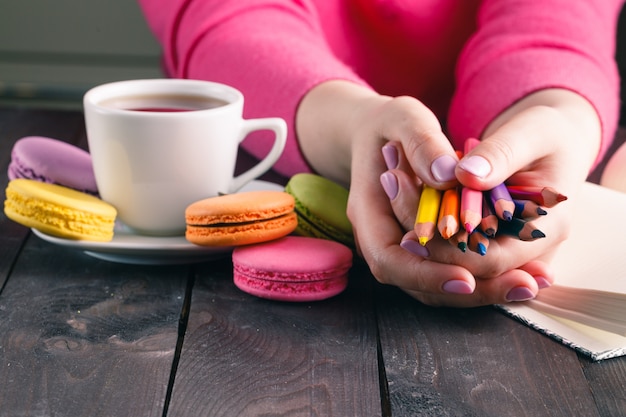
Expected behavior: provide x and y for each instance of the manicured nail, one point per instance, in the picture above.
(390, 155)
(415, 248)
(476, 165)
(542, 282)
(520, 294)
(456, 286)
(442, 168)
(390, 184)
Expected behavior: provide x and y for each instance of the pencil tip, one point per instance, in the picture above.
(462, 246)
(541, 211)
(537, 234)
(468, 228)
(561, 197)
(507, 215)
(482, 249)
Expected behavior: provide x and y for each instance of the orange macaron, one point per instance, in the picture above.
(241, 218)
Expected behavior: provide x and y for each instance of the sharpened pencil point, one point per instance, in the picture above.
(537, 234)
(422, 240)
(468, 228)
(482, 250)
(462, 246)
(541, 211)
(507, 216)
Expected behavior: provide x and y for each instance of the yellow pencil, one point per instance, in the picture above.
(427, 213)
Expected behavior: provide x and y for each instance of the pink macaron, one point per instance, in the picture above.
(52, 161)
(293, 268)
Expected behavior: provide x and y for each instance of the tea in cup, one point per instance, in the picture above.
(158, 145)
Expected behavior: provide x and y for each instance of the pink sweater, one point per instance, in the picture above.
(468, 60)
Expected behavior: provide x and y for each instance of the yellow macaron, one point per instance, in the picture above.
(59, 211)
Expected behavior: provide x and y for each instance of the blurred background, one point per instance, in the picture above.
(52, 51)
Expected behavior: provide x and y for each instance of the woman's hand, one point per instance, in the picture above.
(342, 128)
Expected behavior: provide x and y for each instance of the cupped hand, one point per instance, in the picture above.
(381, 224)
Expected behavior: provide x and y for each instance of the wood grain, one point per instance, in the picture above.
(474, 362)
(83, 337)
(244, 356)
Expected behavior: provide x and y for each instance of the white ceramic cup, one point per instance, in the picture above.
(151, 162)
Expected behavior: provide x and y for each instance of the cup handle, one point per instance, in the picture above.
(274, 124)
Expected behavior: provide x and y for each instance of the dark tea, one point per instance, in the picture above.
(164, 103)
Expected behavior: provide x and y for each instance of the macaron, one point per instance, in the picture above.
(321, 208)
(52, 161)
(293, 268)
(241, 218)
(59, 211)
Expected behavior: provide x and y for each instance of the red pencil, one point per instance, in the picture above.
(544, 196)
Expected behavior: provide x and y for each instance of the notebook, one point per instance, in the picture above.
(585, 309)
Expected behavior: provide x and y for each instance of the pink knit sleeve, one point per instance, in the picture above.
(524, 46)
(241, 42)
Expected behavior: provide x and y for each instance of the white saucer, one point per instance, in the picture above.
(131, 248)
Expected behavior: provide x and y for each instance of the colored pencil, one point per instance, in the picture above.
(459, 239)
(471, 200)
(502, 202)
(427, 213)
(527, 209)
(448, 222)
(522, 229)
(544, 196)
(478, 242)
(489, 222)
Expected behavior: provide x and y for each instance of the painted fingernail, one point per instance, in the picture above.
(442, 168)
(476, 165)
(390, 184)
(456, 286)
(390, 155)
(415, 248)
(520, 294)
(542, 282)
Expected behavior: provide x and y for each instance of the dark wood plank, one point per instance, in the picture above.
(474, 362)
(84, 337)
(243, 356)
(607, 380)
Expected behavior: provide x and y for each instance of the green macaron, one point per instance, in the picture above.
(320, 205)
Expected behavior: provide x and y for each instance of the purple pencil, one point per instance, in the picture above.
(502, 202)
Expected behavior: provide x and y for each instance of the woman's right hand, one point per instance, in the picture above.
(342, 128)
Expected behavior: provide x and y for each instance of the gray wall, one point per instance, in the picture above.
(52, 51)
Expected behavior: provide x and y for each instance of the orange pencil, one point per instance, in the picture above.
(522, 229)
(427, 212)
(478, 242)
(545, 196)
(471, 200)
(448, 223)
(489, 222)
(502, 202)
(527, 209)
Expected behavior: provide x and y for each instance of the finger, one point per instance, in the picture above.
(515, 146)
(427, 150)
(512, 286)
(403, 194)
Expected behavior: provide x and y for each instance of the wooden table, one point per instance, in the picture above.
(86, 337)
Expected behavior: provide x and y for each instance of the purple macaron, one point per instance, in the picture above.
(52, 161)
